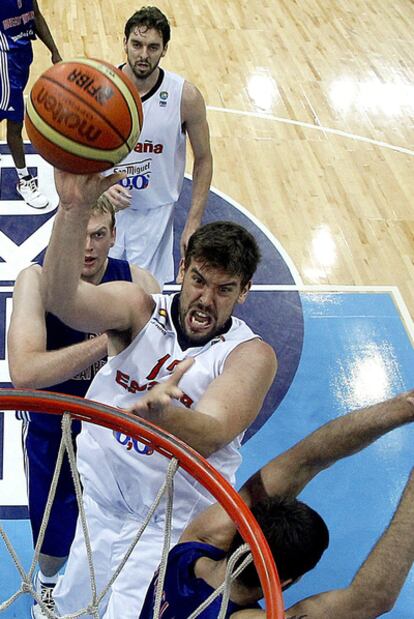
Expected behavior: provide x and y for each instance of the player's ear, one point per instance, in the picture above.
(244, 292)
(125, 41)
(164, 51)
(181, 271)
(113, 236)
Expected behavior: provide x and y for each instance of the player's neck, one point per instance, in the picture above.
(96, 278)
(214, 572)
(146, 84)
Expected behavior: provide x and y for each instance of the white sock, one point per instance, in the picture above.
(22, 173)
(47, 579)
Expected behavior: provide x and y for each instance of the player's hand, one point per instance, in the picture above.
(82, 190)
(185, 237)
(119, 196)
(56, 57)
(161, 396)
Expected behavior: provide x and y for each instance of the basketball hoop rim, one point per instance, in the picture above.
(169, 446)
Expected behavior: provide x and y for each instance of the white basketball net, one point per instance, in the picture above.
(166, 489)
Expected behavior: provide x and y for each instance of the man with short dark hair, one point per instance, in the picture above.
(173, 109)
(148, 335)
(296, 534)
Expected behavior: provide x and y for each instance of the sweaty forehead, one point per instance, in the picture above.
(98, 221)
(213, 274)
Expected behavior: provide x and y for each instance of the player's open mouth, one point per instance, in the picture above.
(89, 260)
(199, 320)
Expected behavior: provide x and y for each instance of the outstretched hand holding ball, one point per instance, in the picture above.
(83, 115)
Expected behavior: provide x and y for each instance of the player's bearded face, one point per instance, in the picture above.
(144, 49)
(207, 300)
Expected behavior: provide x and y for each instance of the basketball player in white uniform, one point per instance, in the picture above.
(173, 108)
(148, 335)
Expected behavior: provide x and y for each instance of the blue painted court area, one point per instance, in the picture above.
(337, 352)
(19, 533)
(356, 352)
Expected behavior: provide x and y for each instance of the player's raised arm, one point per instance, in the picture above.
(290, 472)
(81, 305)
(378, 582)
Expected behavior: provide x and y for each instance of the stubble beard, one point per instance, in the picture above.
(140, 75)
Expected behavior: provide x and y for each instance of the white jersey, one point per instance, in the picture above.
(123, 474)
(156, 166)
(155, 173)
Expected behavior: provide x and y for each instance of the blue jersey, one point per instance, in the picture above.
(60, 335)
(183, 591)
(17, 25)
(17, 29)
(42, 440)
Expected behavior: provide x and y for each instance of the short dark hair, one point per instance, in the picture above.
(297, 536)
(152, 18)
(224, 245)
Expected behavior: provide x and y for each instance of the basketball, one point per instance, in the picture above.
(83, 115)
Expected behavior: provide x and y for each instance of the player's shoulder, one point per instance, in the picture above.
(257, 348)
(30, 273)
(193, 106)
(256, 355)
(191, 93)
(143, 278)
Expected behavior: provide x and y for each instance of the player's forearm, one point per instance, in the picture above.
(44, 34)
(63, 261)
(202, 432)
(289, 473)
(378, 582)
(202, 174)
(45, 369)
(350, 433)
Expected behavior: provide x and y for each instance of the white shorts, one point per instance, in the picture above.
(111, 535)
(145, 238)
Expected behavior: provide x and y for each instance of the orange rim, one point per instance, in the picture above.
(169, 446)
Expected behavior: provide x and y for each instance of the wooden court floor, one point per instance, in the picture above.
(311, 108)
(311, 113)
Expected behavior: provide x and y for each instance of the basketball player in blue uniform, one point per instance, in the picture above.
(296, 534)
(20, 23)
(45, 353)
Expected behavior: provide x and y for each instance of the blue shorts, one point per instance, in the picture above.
(41, 445)
(14, 73)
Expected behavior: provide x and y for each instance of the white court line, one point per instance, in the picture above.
(393, 291)
(274, 241)
(300, 123)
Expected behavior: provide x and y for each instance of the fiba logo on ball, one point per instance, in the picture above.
(100, 93)
(84, 115)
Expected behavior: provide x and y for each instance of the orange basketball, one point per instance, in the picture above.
(83, 115)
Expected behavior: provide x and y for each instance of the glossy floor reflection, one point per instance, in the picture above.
(355, 352)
